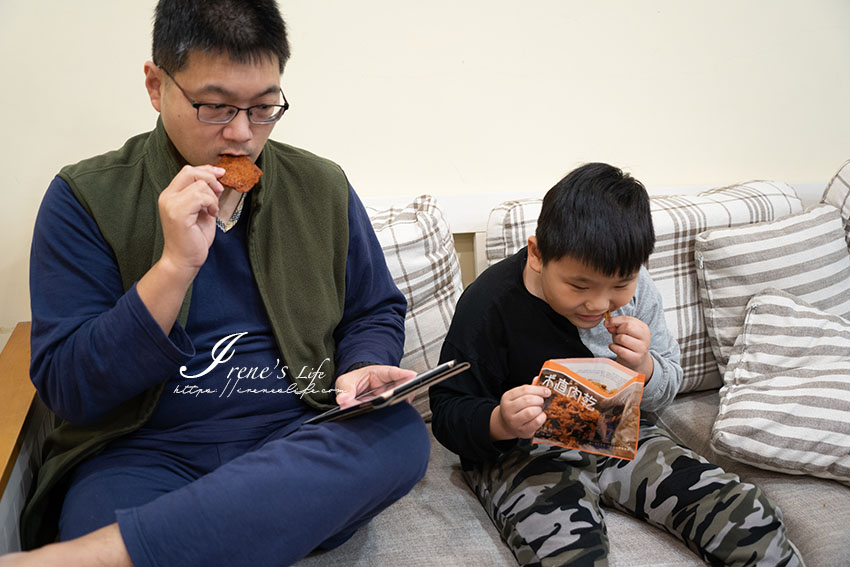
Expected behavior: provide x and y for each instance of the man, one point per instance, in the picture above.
(184, 331)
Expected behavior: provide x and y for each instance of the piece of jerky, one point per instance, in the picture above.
(240, 173)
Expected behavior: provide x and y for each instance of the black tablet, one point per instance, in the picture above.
(392, 392)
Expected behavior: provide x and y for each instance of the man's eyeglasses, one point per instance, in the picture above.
(212, 113)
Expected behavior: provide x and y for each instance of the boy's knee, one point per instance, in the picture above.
(748, 529)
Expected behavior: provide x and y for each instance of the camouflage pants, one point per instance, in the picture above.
(546, 502)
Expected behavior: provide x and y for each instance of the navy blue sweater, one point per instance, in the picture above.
(95, 346)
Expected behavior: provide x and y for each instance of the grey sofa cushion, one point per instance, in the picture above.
(441, 523)
(815, 510)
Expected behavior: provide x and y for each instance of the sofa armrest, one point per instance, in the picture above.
(18, 395)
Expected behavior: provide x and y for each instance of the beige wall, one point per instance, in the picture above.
(458, 96)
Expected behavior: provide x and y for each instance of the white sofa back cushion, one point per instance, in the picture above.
(677, 220)
(419, 249)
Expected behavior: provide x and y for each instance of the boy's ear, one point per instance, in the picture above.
(535, 261)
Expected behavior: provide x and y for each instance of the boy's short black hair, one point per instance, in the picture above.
(247, 31)
(600, 216)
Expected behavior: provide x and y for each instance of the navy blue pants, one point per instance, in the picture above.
(266, 502)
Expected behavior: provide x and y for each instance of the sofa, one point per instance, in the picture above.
(757, 291)
(729, 249)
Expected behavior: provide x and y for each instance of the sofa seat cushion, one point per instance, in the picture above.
(440, 522)
(812, 507)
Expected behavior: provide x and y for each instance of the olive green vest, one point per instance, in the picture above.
(297, 248)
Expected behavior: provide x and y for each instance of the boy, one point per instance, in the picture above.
(550, 300)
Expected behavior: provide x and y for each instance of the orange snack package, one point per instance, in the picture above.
(594, 406)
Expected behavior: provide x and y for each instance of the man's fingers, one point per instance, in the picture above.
(362, 380)
(190, 175)
(392, 373)
(191, 200)
(352, 384)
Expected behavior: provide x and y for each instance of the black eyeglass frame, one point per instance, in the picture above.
(282, 108)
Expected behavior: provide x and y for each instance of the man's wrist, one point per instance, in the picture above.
(162, 290)
(182, 274)
(359, 365)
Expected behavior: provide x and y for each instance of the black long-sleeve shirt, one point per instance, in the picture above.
(506, 334)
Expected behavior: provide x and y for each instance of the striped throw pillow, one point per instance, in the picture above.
(837, 194)
(785, 403)
(419, 249)
(803, 254)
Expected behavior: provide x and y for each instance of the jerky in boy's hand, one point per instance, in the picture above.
(240, 173)
(598, 415)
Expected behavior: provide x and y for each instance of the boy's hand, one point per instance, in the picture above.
(631, 341)
(519, 414)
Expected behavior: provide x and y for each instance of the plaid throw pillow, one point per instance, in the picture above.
(677, 219)
(837, 194)
(509, 226)
(419, 249)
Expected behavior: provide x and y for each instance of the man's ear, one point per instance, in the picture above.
(535, 261)
(154, 84)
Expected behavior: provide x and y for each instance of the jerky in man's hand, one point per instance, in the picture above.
(240, 173)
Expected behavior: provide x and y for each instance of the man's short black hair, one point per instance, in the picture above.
(600, 216)
(247, 31)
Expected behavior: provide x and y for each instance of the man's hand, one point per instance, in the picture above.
(631, 341)
(187, 209)
(367, 378)
(519, 413)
